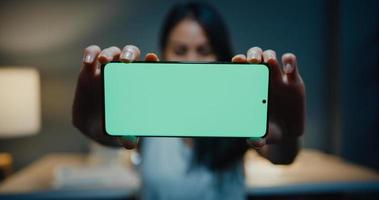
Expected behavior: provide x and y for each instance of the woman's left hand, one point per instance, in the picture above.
(287, 104)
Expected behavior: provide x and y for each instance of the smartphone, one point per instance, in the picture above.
(177, 99)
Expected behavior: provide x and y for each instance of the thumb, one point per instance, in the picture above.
(128, 142)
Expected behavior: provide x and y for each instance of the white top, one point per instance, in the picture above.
(168, 173)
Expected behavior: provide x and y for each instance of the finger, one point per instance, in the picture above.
(240, 58)
(273, 135)
(290, 67)
(130, 53)
(89, 57)
(109, 54)
(256, 143)
(151, 57)
(269, 57)
(128, 142)
(254, 55)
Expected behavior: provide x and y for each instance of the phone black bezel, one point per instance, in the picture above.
(170, 62)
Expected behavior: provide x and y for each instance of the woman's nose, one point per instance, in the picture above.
(192, 56)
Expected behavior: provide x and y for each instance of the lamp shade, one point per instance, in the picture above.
(20, 107)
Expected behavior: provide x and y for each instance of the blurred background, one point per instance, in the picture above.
(336, 43)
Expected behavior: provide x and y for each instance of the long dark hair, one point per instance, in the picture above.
(216, 153)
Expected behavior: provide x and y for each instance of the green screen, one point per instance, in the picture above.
(185, 99)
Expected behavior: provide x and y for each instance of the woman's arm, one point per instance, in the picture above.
(87, 112)
(279, 151)
(282, 152)
(287, 106)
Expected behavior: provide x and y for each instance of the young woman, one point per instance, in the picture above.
(202, 168)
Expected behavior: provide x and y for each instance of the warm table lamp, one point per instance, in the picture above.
(20, 108)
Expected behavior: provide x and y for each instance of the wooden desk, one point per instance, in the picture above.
(311, 170)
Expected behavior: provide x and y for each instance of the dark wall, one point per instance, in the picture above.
(359, 82)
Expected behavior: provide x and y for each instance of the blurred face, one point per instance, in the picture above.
(188, 42)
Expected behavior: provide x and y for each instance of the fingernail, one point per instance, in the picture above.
(271, 56)
(127, 55)
(256, 143)
(105, 55)
(253, 55)
(288, 68)
(132, 139)
(88, 58)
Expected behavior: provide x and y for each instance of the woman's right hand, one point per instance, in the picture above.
(87, 114)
